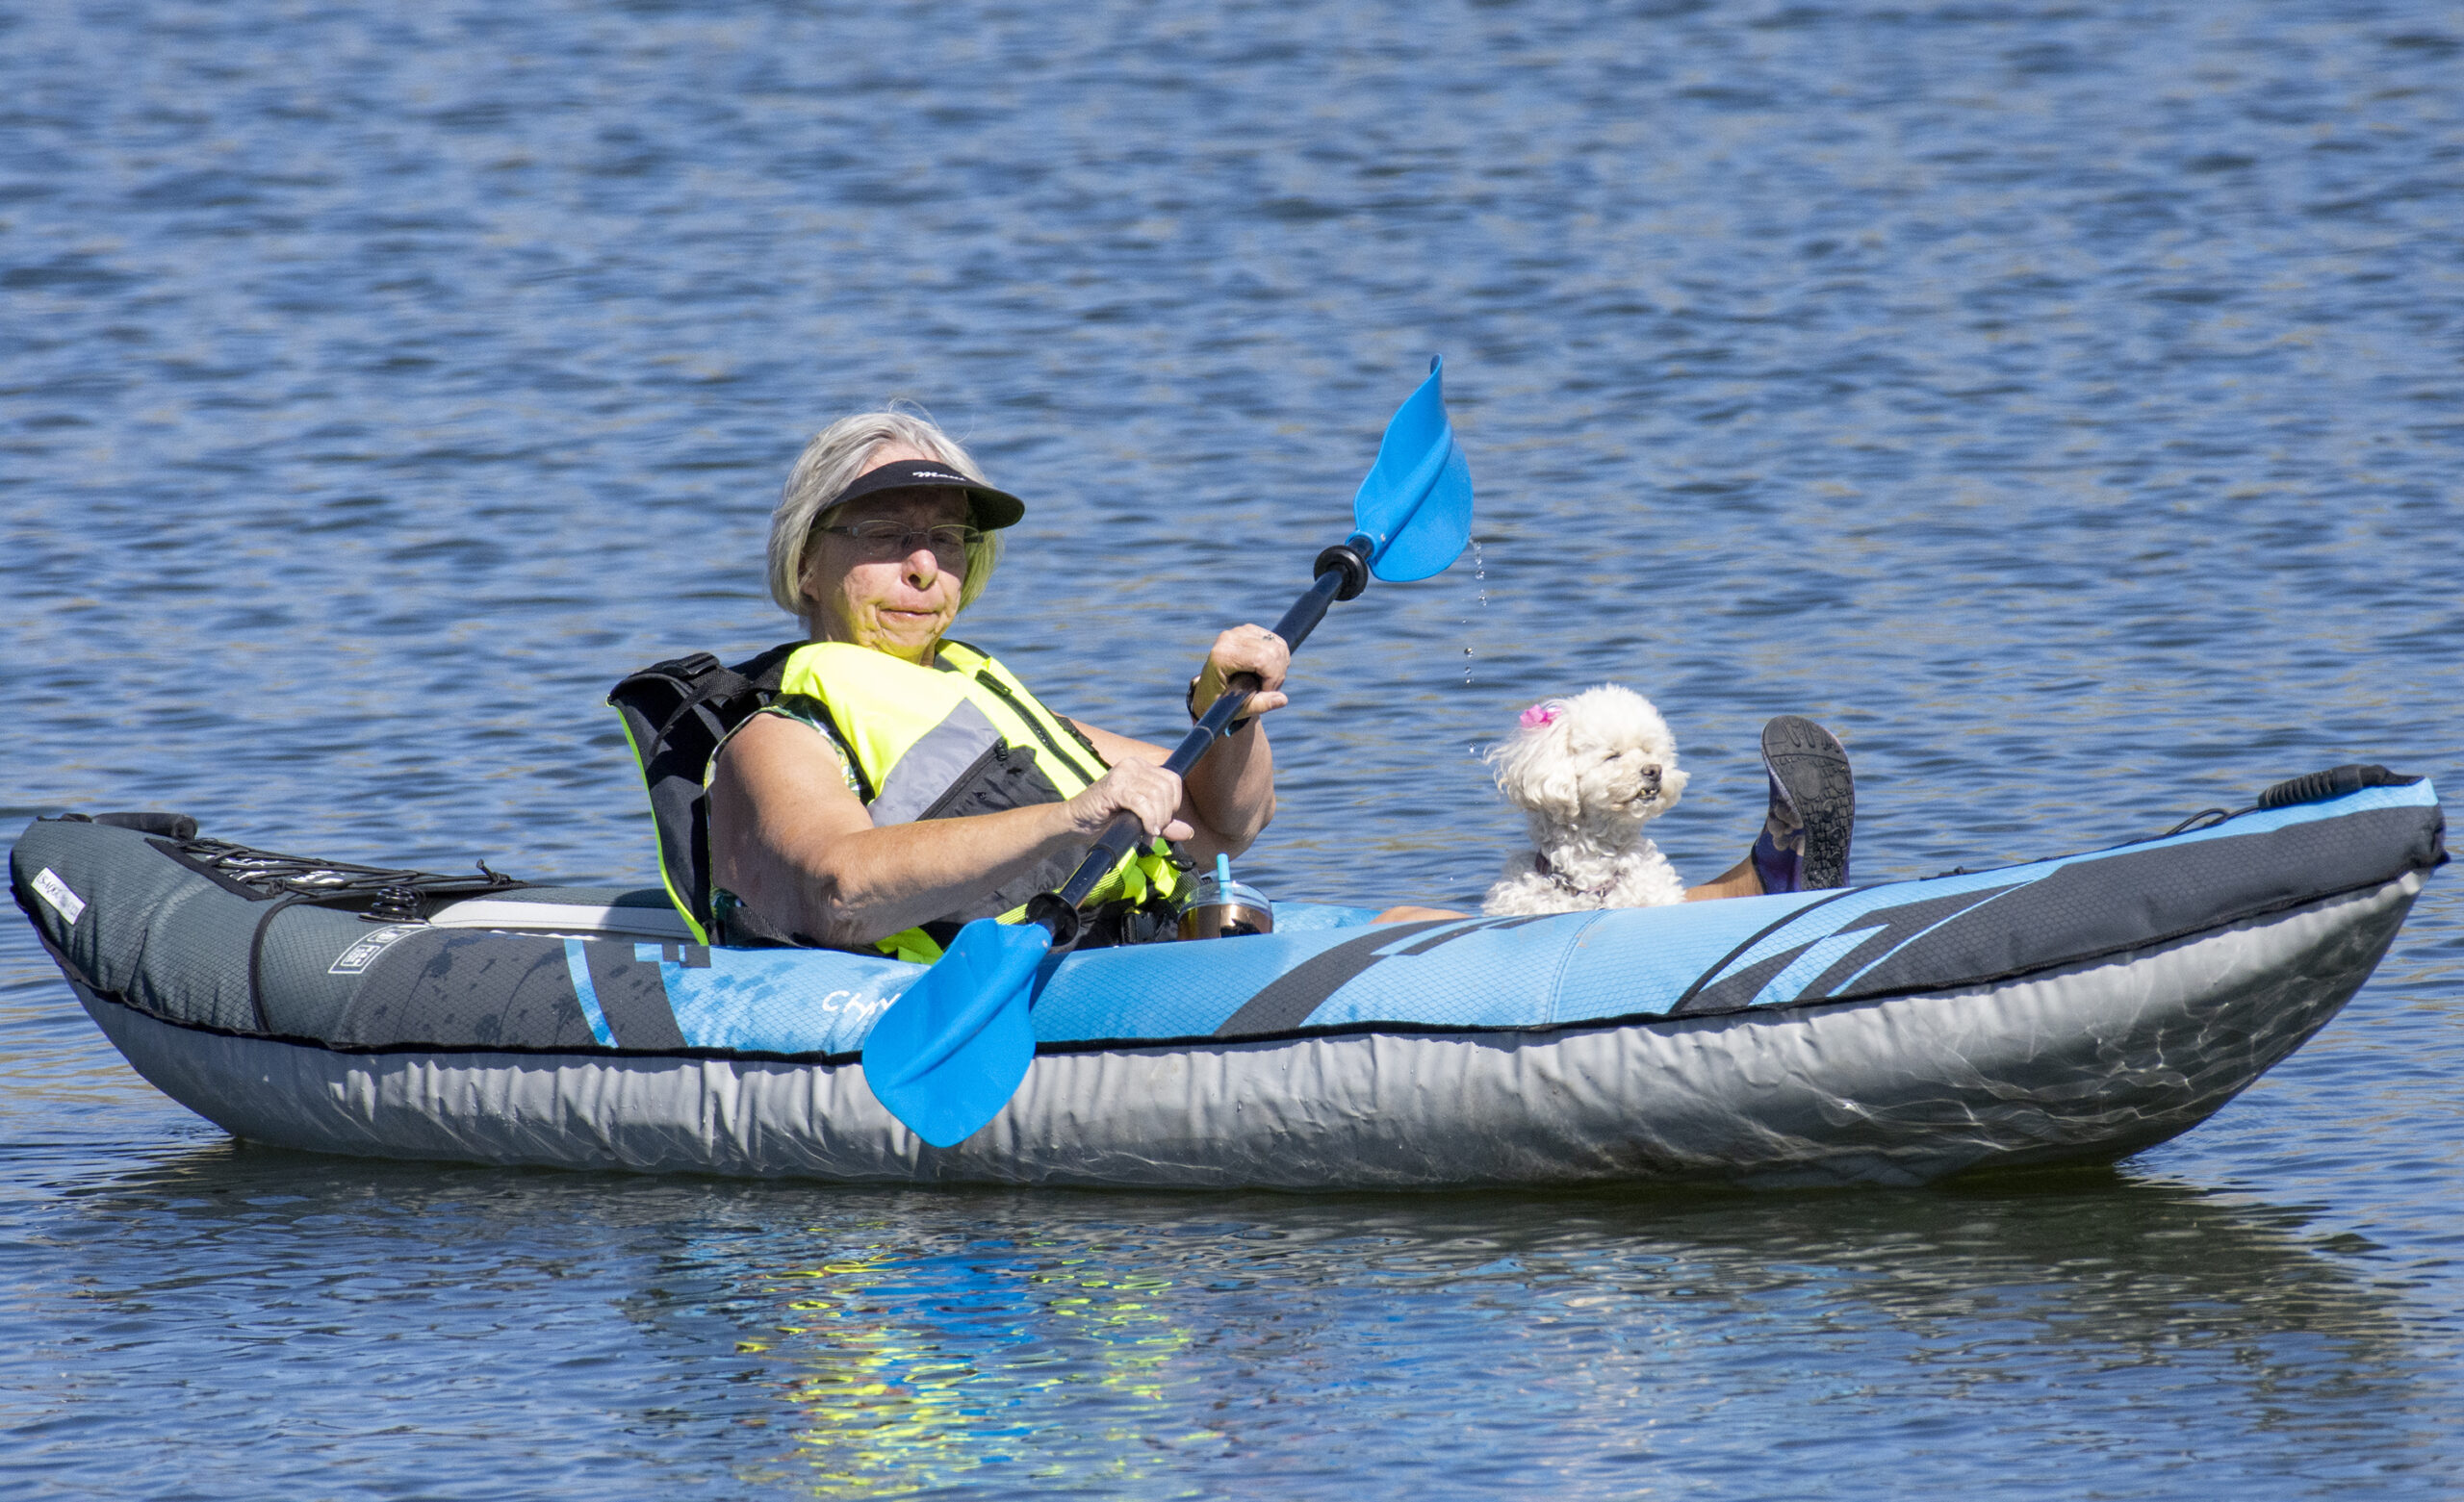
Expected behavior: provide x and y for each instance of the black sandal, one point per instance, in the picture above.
(1804, 843)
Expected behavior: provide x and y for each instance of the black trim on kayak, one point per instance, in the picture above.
(1290, 999)
(486, 989)
(1474, 926)
(1888, 928)
(1680, 1007)
(632, 997)
(1754, 1015)
(2113, 903)
(1287, 1000)
(1884, 929)
(2103, 904)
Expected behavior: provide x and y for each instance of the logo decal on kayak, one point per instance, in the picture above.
(51, 889)
(365, 949)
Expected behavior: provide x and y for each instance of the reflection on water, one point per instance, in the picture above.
(853, 1342)
(918, 1370)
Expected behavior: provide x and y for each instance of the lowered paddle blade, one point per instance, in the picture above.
(1416, 503)
(950, 1051)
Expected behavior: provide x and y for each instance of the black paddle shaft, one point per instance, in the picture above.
(1342, 573)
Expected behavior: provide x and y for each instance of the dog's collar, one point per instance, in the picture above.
(1540, 864)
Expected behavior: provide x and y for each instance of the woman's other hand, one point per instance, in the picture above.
(1244, 648)
(1140, 787)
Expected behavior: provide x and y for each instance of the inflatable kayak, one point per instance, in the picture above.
(2070, 1010)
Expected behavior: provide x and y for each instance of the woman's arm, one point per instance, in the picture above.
(793, 844)
(1226, 799)
(1230, 793)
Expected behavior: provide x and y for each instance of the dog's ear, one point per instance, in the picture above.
(1552, 780)
(1555, 788)
(1534, 770)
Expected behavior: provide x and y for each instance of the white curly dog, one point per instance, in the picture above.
(1588, 773)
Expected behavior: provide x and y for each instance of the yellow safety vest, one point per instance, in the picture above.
(961, 737)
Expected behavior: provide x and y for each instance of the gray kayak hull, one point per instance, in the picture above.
(2082, 1064)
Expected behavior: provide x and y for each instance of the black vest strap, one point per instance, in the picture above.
(676, 713)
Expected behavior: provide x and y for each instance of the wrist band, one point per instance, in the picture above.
(1189, 701)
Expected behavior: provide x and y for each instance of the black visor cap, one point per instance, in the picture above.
(991, 509)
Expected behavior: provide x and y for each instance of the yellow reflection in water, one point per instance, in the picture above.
(913, 1373)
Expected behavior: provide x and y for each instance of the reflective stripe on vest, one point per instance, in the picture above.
(923, 738)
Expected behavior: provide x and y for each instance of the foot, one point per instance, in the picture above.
(1804, 845)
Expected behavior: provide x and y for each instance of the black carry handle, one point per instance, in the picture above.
(1342, 574)
(2334, 782)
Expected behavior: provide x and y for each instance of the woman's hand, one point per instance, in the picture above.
(1142, 788)
(1244, 648)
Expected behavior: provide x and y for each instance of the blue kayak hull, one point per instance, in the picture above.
(2073, 1010)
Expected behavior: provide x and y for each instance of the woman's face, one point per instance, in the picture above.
(899, 605)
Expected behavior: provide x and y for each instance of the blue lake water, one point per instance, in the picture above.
(2065, 403)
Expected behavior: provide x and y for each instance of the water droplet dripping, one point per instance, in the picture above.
(1480, 581)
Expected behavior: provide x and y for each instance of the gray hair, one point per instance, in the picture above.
(830, 464)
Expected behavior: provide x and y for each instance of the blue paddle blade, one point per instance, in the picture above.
(950, 1051)
(1416, 503)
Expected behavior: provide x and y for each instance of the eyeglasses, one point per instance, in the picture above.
(880, 540)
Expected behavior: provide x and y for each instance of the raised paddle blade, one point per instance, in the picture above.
(1416, 504)
(950, 1051)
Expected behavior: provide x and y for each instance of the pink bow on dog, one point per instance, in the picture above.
(1545, 712)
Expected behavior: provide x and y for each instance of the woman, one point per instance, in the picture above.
(903, 783)
(837, 818)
